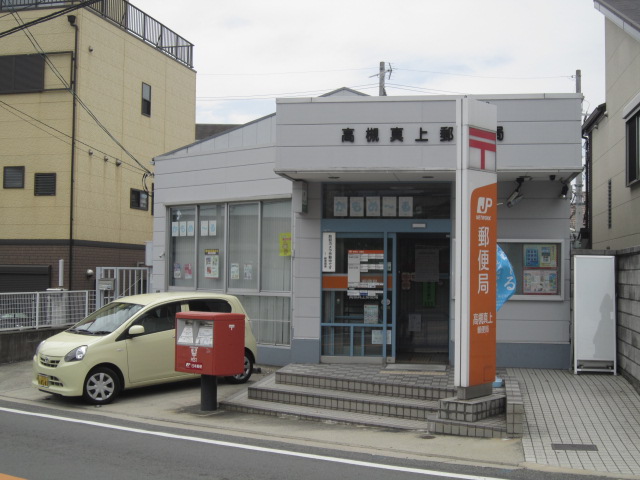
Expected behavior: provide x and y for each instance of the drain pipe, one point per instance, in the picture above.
(73, 86)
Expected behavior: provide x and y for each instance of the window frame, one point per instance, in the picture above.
(138, 194)
(145, 108)
(632, 154)
(16, 169)
(38, 178)
(561, 268)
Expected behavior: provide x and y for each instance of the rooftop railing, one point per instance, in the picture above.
(127, 17)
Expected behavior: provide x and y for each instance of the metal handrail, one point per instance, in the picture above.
(128, 17)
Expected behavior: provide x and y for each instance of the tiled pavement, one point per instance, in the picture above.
(587, 421)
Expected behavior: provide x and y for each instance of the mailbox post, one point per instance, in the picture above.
(212, 345)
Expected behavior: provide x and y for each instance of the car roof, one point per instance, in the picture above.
(151, 298)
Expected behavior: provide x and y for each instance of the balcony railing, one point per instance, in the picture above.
(127, 17)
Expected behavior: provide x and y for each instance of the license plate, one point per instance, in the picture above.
(43, 381)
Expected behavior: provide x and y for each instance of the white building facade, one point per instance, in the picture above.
(334, 221)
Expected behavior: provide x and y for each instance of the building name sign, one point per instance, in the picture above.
(397, 134)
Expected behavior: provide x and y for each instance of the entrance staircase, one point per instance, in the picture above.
(402, 397)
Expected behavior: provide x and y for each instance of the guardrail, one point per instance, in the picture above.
(44, 309)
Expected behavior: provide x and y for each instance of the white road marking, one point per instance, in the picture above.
(255, 448)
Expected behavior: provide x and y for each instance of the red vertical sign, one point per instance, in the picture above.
(482, 285)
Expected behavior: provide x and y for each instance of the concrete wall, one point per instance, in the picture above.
(21, 345)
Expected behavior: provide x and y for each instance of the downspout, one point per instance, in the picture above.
(72, 22)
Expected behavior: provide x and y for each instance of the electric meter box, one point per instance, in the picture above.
(210, 343)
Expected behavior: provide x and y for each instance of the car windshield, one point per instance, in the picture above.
(107, 319)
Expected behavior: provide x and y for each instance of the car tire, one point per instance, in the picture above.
(246, 374)
(101, 386)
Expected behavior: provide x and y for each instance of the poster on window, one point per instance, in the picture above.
(188, 271)
(356, 206)
(235, 271)
(377, 336)
(213, 228)
(540, 256)
(183, 229)
(204, 228)
(248, 271)
(175, 229)
(177, 270)
(373, 206)
(540, 282)
(371, 313)
(389, 206)
(405, 207)
(191, 228)
(340, 206)
(211, 264)
(285, 244)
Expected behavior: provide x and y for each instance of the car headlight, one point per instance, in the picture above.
(76, 354)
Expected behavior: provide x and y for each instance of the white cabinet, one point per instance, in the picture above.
(594, 314)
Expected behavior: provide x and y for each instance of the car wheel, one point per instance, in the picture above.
(246, 373)
(101, 386)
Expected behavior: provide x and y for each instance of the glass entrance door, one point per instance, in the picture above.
(422, 298)
(357, 302)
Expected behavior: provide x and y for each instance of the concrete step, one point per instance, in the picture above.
(365, 386)
(370, 404)
(242, 403)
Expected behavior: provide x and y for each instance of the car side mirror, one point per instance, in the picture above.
(136, 330)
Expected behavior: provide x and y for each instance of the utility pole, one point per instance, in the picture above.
(381, 74)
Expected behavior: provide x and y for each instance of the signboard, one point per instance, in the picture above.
(475, 250)
(329, 252)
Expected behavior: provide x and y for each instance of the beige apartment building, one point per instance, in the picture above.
(87, 99)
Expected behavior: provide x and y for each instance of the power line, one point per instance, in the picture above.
(67, 86)
(42, 126)
(484, 76)
(46, 18)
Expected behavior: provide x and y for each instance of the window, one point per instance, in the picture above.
(243, 250)
(13, 177)
(633, 149)
(146, 99)
(45, 184)
(139, 199)
(21, 73)
(182, 257)
(240, 248)
(537, 265)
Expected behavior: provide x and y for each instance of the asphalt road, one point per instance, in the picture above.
(49, 444)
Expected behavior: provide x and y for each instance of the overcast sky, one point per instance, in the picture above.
(249, 52)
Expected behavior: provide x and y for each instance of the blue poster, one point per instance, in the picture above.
(505, 279)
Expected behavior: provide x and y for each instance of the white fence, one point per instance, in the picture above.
(40, 309)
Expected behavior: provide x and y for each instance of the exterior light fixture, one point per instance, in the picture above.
(564, 191)
(118, 162)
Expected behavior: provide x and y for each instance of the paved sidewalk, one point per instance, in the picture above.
(586, 421)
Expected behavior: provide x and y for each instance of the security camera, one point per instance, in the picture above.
(514, 199)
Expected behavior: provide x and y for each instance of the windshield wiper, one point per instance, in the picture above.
(79, 332)
(100, 332)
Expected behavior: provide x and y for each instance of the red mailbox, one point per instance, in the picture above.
(210, 343)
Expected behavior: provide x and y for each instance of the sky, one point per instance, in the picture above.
(247, 53)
